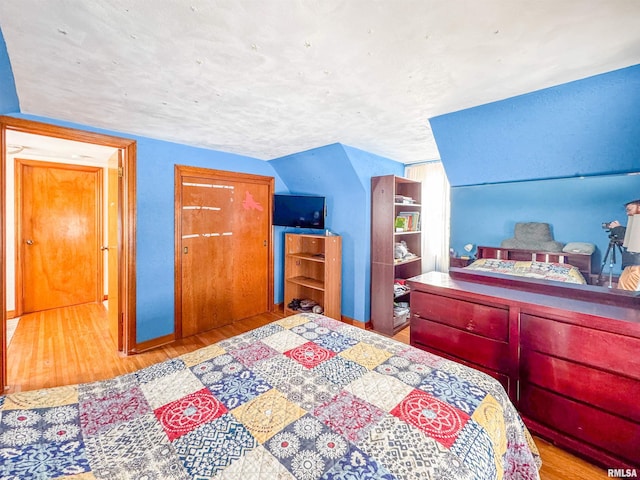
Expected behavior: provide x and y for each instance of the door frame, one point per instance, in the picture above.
(99, 215)
(126, 221)
(225, 175)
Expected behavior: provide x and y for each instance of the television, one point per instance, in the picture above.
(300, 211)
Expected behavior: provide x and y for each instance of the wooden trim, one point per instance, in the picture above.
(154, 343)
(3, 268)
(185, 170)
(177, 260)
(100, 232)
(356, 323)
(127, 246)
(49, 130)
(17, 235)
(127, 234)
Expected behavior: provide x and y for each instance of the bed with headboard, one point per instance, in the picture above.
(571, 267)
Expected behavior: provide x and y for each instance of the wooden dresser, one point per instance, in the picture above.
(571, 366)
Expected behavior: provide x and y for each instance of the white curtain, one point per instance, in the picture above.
(435, 214)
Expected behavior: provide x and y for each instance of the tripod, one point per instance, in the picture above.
(611, 249)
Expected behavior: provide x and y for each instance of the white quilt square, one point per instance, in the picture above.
(170, 388)
(284, 341)
(383, 391)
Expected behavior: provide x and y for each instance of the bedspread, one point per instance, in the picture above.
(559, 272)
(305, 397)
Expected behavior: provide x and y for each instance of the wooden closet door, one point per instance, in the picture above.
(251, 247)
(223, 260)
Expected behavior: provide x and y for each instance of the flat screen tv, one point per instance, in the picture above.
(301, 211)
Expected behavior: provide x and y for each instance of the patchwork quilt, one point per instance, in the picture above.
(305, 397)
(559, 272)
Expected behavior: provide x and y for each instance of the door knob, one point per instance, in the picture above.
(29, 242)
(103, 248)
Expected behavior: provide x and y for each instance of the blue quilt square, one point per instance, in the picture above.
(234, 390)
(453, 390)
(44, 460)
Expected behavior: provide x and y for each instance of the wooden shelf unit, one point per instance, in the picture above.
(384, 267)
(313, 270)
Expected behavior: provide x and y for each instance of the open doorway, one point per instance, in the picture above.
(117, 234)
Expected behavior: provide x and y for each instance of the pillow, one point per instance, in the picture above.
(544, 246)
(579, 247)
(533, 232)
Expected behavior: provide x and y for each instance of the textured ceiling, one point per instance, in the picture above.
(267, 78)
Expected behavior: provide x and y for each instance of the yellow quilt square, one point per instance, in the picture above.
(490, 416)
(202, 355)
(366, 355)
(292, 321)
(49, 397)
(267, 414)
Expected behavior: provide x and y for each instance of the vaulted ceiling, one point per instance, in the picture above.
(267, 78)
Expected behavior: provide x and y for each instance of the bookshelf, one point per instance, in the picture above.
(313, 270)
(396, 249)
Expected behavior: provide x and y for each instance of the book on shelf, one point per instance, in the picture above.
(411, 221)
(401, 224)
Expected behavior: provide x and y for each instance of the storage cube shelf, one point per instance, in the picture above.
(313, 270)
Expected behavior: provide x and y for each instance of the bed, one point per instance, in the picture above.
(559, 272)
(567, 267)
(305, 397)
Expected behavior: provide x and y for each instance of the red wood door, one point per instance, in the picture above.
(223, 254)
(59, 235)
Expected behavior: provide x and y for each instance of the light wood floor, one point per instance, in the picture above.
(72, 345)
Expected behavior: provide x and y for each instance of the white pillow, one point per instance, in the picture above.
(579, 247)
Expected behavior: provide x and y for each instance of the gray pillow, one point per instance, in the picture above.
(533, 232)
(579, 247)
(540, 246)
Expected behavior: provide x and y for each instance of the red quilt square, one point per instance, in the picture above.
(254, 353)
(434, 417)
(348, 415)
(100, 414)
(186, 414)
(309, 354)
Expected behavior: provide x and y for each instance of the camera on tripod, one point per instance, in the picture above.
(616, 234)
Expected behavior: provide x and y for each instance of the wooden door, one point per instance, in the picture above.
(59, 235)
(223, 248)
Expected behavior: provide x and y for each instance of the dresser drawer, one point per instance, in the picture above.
(588, 346)
(491, 354)
(607, 391)
(485, 320)
(616, 435)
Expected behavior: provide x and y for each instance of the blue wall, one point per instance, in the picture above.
(588, 128)
(343, 175)
(8, 95)
(155, 218)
